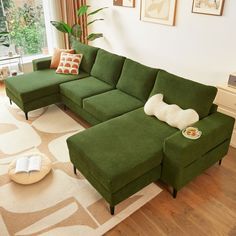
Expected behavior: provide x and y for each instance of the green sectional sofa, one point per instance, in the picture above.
(125, 149)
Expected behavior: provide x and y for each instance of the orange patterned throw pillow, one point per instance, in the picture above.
(69, 63)
(57, 55)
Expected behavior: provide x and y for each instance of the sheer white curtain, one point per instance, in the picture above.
(52, 11)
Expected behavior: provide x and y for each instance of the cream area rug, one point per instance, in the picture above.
(61, 204)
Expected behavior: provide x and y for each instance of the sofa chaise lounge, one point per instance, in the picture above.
(125, 149)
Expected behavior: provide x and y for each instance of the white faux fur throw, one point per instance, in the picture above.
(173, 115)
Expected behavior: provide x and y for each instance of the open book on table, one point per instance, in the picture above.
(28, 164)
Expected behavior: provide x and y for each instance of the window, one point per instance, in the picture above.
(3, 25)
(4, 39)
(26, 24)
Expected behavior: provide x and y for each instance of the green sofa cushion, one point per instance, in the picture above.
(38, 84)
(137, 80)
(120, 150)
(77, 90)
(185, 93)
(79, 111)
(107, 67)
(110, 104)
(89, 55)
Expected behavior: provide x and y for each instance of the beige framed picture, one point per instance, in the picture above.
(208, 7)
(124, 3)
(158, 11)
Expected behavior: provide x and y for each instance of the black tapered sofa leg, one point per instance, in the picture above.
(75, 170)
(220, 161)
(10, 101)
(112, 210)
(26, 116)
(174, 193)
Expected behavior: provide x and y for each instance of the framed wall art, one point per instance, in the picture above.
(124, 3)
(209, 7)
(158, 11)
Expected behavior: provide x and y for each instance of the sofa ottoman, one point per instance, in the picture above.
(120, 156)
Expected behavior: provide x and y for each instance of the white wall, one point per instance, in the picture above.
(198, 47)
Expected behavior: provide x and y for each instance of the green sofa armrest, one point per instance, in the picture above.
(216, 129)
(41, 63)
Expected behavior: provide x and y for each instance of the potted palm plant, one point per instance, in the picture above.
(74, 32)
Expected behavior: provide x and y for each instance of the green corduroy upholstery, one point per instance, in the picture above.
(215, 128)
(35, 104)
(38, 84)
(137, 79)
(185, 93)
(78, 90)
(79, 111)
(107, 67)
(180, 153)
(123, 148)
(41, 63)
(127, 149)
(177, 176)
(89, 55)
(124, 192)
(110, 104)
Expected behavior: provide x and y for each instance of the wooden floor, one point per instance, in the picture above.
(206, 206)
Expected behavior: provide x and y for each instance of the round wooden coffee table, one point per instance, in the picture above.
(31, 177)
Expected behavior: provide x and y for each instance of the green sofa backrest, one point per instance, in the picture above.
(107, 67)
(137, 79)
(185, 93)
(89, 55)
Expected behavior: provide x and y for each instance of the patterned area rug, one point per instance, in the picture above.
(61, 204)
